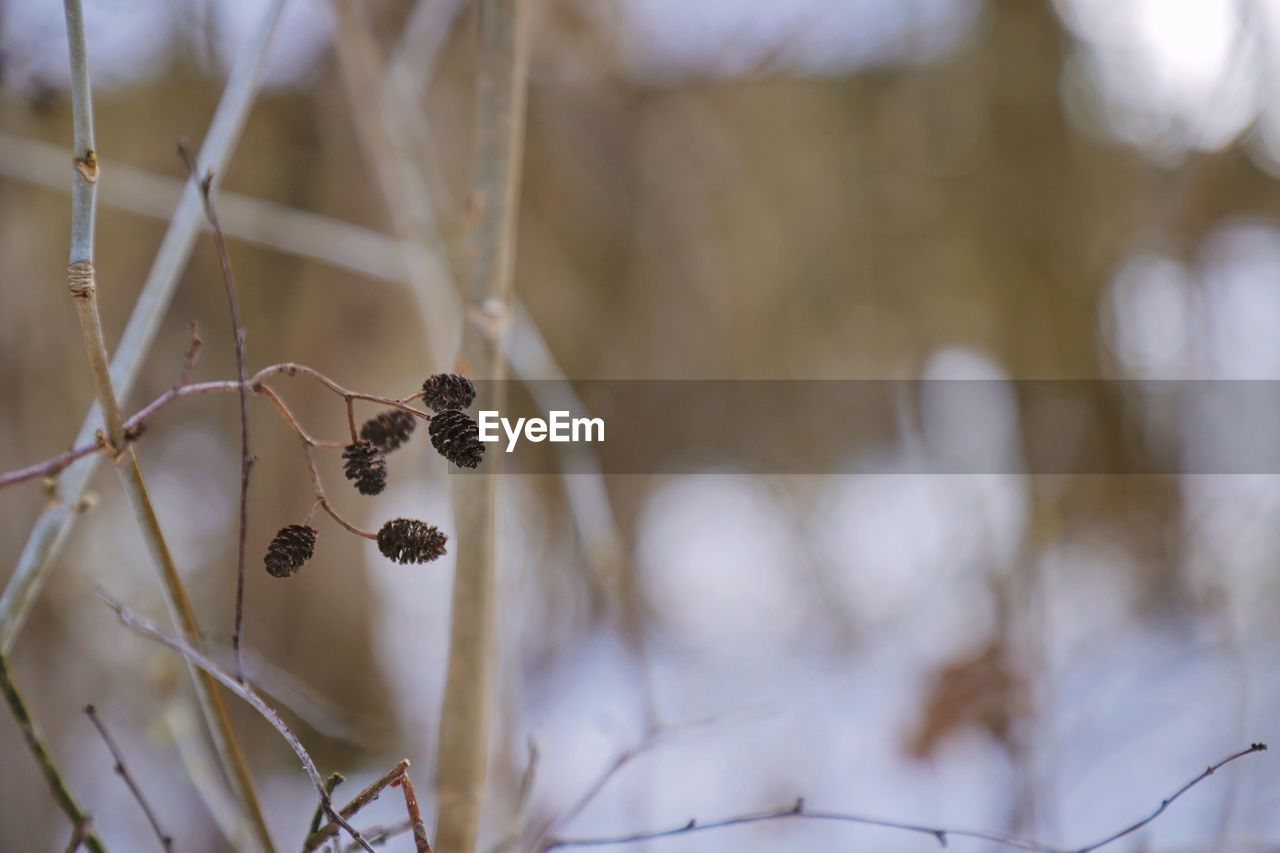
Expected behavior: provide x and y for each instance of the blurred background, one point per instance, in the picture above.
(724, 189)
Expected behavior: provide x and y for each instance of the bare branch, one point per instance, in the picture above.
(237, 331)
(149, 629)
(166, 841)
(942, 834)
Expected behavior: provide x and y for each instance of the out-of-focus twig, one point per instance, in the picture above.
(57, 785)
(146, 628)
(400, 181)
(942, 834)
(498, 143)
(166, 841)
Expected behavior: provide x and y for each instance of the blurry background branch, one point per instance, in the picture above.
(942, 834)
(48, 767)
(466, 717)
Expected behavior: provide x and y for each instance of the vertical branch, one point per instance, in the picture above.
(237, 331)
(61, 793)
(499, 139)
(84, 292)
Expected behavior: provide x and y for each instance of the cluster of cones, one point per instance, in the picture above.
(454, 435)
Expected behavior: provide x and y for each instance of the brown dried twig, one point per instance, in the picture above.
(166, 841)
(396, 776)
(237, 329)
(255, 384)
(942, 834)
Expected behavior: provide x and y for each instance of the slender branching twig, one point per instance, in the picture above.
(197, 658)
(237, 331)
(57, 785)
(942, 834)
(368, 794)
(166, 841)
(82, 284)
(256, 385)
(397, 776)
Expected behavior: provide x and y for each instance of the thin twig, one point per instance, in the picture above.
(1167, 801)
(237, 331)
(798, 810)
(135, 424)
(61, 792)
(420, 842)
(147, 628)
(334, 780)
(166, 841)
(367, 795)
(308, 443)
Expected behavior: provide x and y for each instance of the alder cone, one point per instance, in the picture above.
(456, 437)
(448, 391)
(407, 540)
(388, 430)
(366, 467)
(292, 546)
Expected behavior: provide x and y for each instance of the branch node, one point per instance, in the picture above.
(87, 166)
(81, 280)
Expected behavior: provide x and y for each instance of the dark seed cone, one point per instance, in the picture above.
(366, 467)
(457, 438)
(407, 540)
(388, 430)
(448, 391)
(291, 547)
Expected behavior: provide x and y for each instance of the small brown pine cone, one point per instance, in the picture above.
(457, 438)
(407, 540)
(448, 391)
(366, 467)
(388, 430)
(292, 546)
